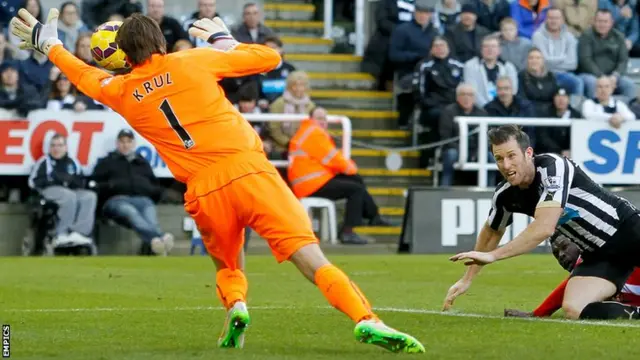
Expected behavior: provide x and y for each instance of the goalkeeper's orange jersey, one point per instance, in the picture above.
(175, 102)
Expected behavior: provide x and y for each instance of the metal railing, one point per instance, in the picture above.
(344, 121)
(483, 123)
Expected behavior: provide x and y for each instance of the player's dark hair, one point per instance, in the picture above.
(504, 133)
(273, 39)
(140, 37)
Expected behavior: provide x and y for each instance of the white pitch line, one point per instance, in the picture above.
(381, 309)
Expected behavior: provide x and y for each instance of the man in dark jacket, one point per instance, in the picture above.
(171, 28)
(557, 140)
(273, 83)
(602, 51)
(58, 178)
(410, 43)
(251, 31)
(506, 104)
(435, 82)
(466, 36)
(17, 95)
(388, 14)
(464, 106)
(128, 189)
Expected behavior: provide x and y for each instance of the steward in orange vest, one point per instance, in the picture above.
(318, 169)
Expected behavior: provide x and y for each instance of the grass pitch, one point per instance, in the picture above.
(166, 308)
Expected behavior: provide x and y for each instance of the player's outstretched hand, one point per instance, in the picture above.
(33, 34)
(459, 288)
(215, 32)
(517, 313)
(474, 258)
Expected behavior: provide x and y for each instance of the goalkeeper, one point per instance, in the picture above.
(568, 256)
(175, 103)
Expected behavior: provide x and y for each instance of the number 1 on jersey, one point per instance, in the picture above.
(184, 136)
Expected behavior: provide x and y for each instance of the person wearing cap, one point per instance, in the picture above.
(529, 15)
(17, 95)
(557, 140)
(410, 43)
(128, 191)
(466, 36)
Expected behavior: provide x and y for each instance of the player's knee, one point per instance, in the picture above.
(572, 309)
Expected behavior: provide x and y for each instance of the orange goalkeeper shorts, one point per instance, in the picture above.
(259, 199)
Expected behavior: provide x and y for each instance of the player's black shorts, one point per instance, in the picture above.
(615, 260)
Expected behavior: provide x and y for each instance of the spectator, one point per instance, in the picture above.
(482, 73)
(625, 18)
(171, 28)
(59, 178)
(5, 52)
(70, 26)
(318, 169)
(602, 51)
(294, 100)
(96, 12)
(128, 188)
(15, 95)
(513, 48)
(411, 41)
(206, 10)
(83, 49)
(435, 82)
(560, 51)
(506, 104)
(273, 83)
(578, 14)
(464, 106)
(62, 92)
(447, 14)
(252, 31)
(35, 71)
(491, 12)
(8, 9)
(34, 7)
(466, 36)
(529, 15)
(181, 45)
(557, 140)
(605, 107)
(376, 62)
(536, 83)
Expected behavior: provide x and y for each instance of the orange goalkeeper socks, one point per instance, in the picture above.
(342, 293)
(231, 286)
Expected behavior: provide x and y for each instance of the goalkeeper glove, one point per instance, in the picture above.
(33, 34)
(215, 32)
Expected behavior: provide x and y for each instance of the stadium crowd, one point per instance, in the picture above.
(524, 58)
(29, 82)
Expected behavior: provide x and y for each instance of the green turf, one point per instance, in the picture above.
(166, 308)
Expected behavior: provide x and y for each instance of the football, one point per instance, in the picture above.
(104, 49)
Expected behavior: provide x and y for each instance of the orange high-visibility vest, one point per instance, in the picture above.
(314, 159)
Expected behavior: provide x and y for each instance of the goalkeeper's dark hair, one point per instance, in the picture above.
(505, 133)
(140, 37)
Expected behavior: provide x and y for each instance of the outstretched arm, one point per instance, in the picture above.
(90, 80)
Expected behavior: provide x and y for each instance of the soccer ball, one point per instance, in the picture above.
(104, 49)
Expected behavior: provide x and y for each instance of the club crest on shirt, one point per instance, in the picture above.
(552, 183)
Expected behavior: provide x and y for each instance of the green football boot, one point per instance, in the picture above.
(234, 326)
(375, 332)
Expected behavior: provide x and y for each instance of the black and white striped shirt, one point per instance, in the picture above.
(592, 215)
